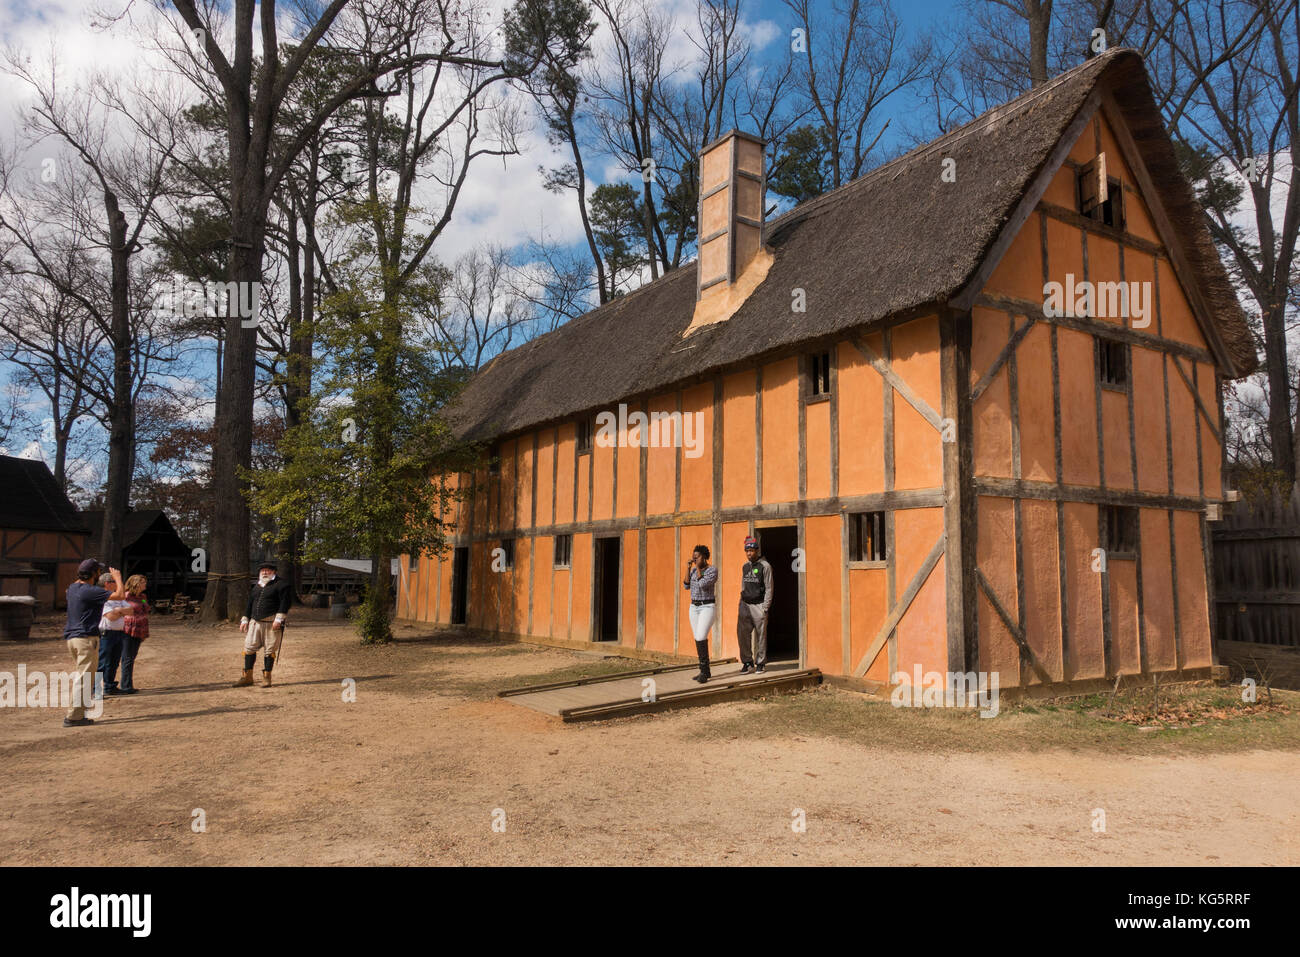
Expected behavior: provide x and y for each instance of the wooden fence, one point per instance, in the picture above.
(1257, 572)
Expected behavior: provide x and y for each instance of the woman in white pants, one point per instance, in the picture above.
(701, 580)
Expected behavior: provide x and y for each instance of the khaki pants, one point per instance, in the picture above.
(750, 621)
(259, 634)
(85, 655)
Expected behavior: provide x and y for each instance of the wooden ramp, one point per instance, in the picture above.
(628, 692)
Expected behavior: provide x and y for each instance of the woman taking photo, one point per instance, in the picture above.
(134, 631)
(701, 580)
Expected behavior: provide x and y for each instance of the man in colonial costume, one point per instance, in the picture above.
(263, 622)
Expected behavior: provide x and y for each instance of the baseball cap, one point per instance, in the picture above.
(751, 542)
(88, 567)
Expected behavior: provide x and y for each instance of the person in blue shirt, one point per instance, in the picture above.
(85, 608)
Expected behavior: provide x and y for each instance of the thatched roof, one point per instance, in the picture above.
(895, 240)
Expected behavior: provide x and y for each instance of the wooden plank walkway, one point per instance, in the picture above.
(657, 689)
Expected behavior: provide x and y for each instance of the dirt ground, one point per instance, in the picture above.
(419, 767)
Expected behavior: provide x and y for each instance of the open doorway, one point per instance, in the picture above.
(777, 545)
(606, 588)
(459, 585)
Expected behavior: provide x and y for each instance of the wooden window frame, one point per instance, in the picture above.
(1123, 528)
(567, 550)
(583, 433)
(1104, 365)
(817, 380)
(878, 556)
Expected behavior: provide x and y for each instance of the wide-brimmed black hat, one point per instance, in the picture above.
(271, 565)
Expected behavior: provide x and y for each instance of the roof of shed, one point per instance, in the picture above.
(31, 499)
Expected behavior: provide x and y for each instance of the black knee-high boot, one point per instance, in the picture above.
(702, 650)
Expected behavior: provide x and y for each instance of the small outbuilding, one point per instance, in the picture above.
(40, 529)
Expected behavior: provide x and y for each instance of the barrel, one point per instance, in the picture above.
(339, 610)
(16, 615)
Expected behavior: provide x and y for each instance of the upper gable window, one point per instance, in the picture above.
(819, 374)
(1101, 197)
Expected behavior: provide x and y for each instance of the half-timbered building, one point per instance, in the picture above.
(970, 403)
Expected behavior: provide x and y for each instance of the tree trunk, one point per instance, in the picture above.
(1281, 437)
(121, 414)
(1039, 16)
(228, 556)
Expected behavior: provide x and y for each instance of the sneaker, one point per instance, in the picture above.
(746, 669)
(78, 723)
(127, 690)
(761, 669)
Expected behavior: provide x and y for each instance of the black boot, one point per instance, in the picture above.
(702, 649)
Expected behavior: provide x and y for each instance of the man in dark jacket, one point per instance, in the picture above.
(755, 603)
(263, 622)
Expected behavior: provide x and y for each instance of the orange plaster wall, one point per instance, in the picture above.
(995, 554)
(661, 586)
(1042, 625)
(991, 428)
(780, 431)
(515, 484)
(861, 422)
(1157, 589)
(868, 609)
(1182, 415)
(738, 439)
(1083, 592)
(584, 486)
(1193, 607)
(729, 559)
(697, 472)
(822, 576)
(1062, 191)
(1115, 438)
(1176, 319)
(1064, 254)
(543, 571)
(1103, 266)
(817, 432)
(1034, 388)
(602, 493)
(922, 631)
(918, 446)
(564, 474)
(1077, 368)
(1207, 384)
(661, 462)
(545, 477)
(582, 548)
(1020, 273)
(1124, 643)
(627, 599)
(560, 602)
(629, 469)
(1149, 419)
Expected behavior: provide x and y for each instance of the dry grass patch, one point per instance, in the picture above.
(1074, 724)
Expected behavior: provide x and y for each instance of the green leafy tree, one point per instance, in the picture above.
(361, 467)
